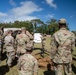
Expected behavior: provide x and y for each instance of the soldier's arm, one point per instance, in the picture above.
(73, 42)
(53, 45)
(29, 34)
(13, 41)
(21, 62)
(26, 39)
(6, 43)
(36, 67)
(16, 43)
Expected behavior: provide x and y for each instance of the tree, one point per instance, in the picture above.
(52, 26)
(38, 25)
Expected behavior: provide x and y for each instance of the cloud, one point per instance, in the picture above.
(49, 16)
(50, 2)
(26, 8)
(23, 12)
(3, 14)
(23, 18)
(71, 16)
(12, 2)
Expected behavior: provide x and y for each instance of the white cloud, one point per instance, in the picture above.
(3, 14)
(71, 16)
(12, 2)
(22, 12)
(49, 16)
(26, 18)
(50, 2)
(26, 8)
(23, 18)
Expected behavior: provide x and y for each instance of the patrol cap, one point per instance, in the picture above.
(44, 34)
(22, 51)
(62, 21)
(9, 31)
(23, 28)
(29, 46)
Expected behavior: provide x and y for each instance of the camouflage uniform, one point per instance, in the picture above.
(30, 38)
(62, 44)
(21, 41)
(9, 45)
(2, 39)
(0, 42)
(43, 38)
(27, 65)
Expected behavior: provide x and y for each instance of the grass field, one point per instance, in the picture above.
(4, 70)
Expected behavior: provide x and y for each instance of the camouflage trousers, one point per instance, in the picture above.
(43, 44)
(1, 50)
(25, 73)
(32, 44)
(10, 57)
(63, 69)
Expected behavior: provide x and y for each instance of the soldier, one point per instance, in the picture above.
(1, 40)
(62, 45)
(31, 37)
(21, 41)
(27, 64)
(43, 41)
(9, 45)
(0, 43)
(31, 40)
(43, 38)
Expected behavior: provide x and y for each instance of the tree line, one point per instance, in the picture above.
(35, 25)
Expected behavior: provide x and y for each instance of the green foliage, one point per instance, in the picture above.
(52, 26)
(35, 25)
(74, 32)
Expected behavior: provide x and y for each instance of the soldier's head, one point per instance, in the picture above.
(32, 33)
(2, 28)
(62, 23)
(44, 34)
(29, 48)
(19, 31)
(23, 29)
(23, 51)
(9, 31)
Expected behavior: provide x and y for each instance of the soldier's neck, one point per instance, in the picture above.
(28, 52)
(9, 34)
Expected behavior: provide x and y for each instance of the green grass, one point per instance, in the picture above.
(13, 70)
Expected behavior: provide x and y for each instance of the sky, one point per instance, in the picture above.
(22, 10)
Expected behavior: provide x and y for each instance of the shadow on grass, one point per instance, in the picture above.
(49, 71)
(74, 59)
(4, 69)
(14, 62)
(74, 69)
(3, 57)
(74, 54)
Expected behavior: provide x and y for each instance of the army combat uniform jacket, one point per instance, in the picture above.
(21, 41)
(27, 65)
(62, 44)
